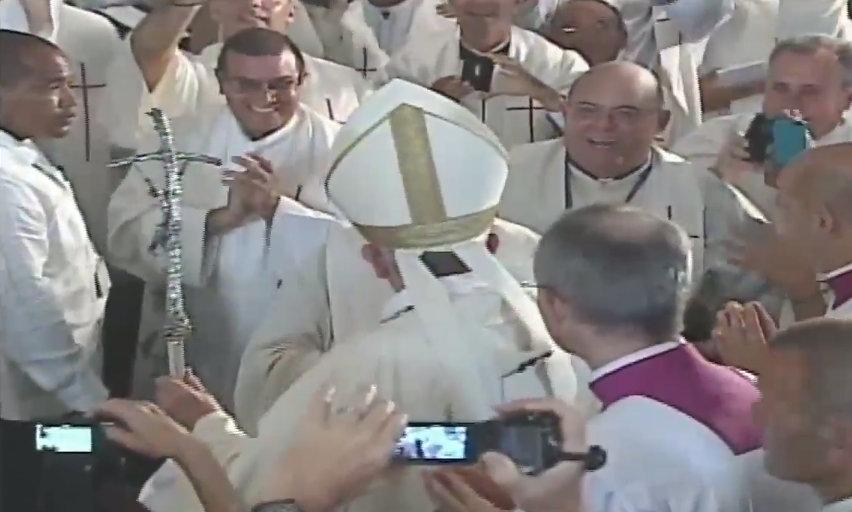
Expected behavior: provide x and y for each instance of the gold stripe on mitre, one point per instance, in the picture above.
(423, 236)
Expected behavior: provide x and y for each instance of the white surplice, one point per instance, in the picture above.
(514, 119)
(839, 506)
(671, 39)
(803, 17)
(53, 289)
(702, 146)
(231, 279)
(399, 359)
(91, 43)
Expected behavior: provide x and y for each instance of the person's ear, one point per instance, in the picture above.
(825, 220)
(373, 255)
(663, 121)
(492, 243)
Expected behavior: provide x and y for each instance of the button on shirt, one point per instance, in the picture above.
(53, 288)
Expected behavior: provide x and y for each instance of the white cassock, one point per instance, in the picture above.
(702, 146)
(671, 39)
(367, 36)
(338, 298)
(91, 43)
(803, 17)
(747, 37)
(190, 86)
(399, 359)
(230, 280)
(54, 289)
(514, 119)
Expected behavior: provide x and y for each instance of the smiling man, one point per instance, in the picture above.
(276, 151)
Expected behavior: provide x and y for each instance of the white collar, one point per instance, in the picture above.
(635, 357)
(25, 150)
(839, 506)
(827, 276)
(402, 6)
(456, 285)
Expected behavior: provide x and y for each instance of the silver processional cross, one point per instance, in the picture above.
(177, 324)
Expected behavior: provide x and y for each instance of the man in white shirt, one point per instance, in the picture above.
(805, 409)
(53, 284)
(612, 284)
(239, 238)
(592, 28)
(182, 85)
(480, 63)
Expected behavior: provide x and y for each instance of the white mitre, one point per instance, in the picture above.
(415, 172)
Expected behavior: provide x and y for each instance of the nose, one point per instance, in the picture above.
(67, 99)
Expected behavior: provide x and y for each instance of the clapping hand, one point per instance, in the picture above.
(511, 79)
(187, 401)
(453, 87)
(255, 191)
(742, 335)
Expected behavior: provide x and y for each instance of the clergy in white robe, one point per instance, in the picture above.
(180, 84)
(462, 54)
(805, 74)
(746, 38)
(449, 347)
(592, 28)
(231, 278)
(805, 17)
(607, 156)
(616, 282)
(54, 283)
(91, 43)
(670, 38)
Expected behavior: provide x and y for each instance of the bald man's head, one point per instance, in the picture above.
(626, 75)
(19, 54)
(35, 95)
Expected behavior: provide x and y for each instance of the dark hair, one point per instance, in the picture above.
(14, 48)
(622, 26)
(259, 42)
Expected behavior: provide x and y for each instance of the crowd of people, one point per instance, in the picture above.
(436, 212)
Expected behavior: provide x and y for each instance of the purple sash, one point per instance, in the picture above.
(715, 396)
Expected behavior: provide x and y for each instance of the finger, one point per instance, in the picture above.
(194, 382)
(115, 408)
(262, 162)
(124, 438)
(767, 323)
(440, 494)
(465, 493)
(754, 329)
(319, 411)
(502, 470)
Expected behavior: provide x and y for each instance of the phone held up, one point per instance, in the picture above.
(776, 142)
(533, 441)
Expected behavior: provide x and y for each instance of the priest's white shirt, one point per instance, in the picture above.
(671, 39)
(54, 289)
(514, 119)
(407, 368)
(91, 43)
(803, 17)
(839, 506)
(230, 279)
(702, 146)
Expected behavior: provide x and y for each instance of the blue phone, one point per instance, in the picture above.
(790, 138)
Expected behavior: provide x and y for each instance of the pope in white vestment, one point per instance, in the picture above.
(230, 279)
(54, 289)
(447, 348)
(91, 43)
(671, 39)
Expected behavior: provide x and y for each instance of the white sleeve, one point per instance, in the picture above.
(696, 19)
(133, 220)
(38, 339)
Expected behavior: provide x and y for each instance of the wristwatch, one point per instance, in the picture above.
(277, 506)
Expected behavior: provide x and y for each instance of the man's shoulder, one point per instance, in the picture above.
(327, 69)
(523, 157)
(713, 131)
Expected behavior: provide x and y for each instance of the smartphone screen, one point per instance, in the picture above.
(436, 443)
(63, 438)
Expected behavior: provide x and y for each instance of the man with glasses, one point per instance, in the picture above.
(275, 151)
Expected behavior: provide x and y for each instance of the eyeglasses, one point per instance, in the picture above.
(280, 85)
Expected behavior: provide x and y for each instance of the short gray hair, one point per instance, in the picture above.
(618, 267)
(810, 44)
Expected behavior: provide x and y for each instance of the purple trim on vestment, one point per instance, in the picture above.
(713, 395)
(841, 285)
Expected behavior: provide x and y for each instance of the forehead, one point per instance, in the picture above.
(45, 63)
(811, 65)
(262, 66)
(615, 88)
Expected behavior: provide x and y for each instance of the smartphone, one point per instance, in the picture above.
(790, 138)
(532, 441)
(64, 438)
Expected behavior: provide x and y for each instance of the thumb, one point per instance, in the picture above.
(502, 470)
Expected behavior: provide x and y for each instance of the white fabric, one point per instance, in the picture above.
(839, 506)
(702, 146)
(671, 39)
(535, 195)
(302, 32)
(508, 116)
(91, 43)
(803, 17)
(50, 309)
(230, 280)
(634, 357)
(14, 17)
(661, 459)
(408, 369)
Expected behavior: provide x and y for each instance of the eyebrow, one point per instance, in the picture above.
(616, 107)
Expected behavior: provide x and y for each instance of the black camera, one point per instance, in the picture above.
(533, 441)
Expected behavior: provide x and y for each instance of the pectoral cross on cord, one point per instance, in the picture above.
(84, 86)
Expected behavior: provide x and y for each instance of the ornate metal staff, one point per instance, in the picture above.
(177, 324)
